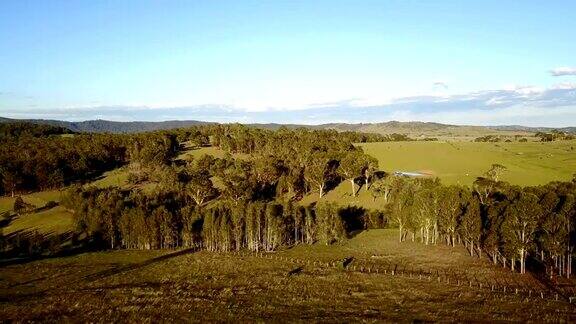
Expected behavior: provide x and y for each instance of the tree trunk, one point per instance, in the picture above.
(321, 191)
(353, 188)
(522, 261)
(400, 233)
(366, 182)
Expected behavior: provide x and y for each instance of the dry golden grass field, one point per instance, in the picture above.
(430, 283)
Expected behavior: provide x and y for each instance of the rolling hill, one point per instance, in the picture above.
(413, 129)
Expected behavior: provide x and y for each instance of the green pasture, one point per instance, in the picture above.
(54, 220)
(530, 163)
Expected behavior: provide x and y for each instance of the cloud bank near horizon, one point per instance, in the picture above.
(563, 71)
(527, 106)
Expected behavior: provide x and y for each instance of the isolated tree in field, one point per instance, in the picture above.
(352, 166)
(495, 172)
(520, 225)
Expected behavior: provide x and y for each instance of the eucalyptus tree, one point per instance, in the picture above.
(11, 178)
(385, 187)
(450, 201)
(520, 225)
(496, 171)
(238, 181)
(370, 167)
(402, 206)
(199, 186)
(470, 223)
(316, 171)
(426, 206)
(352, 165)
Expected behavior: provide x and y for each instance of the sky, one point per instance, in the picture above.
(310, 62)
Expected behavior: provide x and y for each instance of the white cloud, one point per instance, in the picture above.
(440, 84)
(525, 105)
(562, 71)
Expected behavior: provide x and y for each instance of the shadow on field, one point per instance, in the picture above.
(12, 298)
(126, 268)
(22, 246)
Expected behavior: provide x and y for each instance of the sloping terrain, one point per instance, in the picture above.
(435, 283)
(412, 129)
(530, 163)
(43, 218)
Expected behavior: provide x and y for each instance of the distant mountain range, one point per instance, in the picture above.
(100, 126)
(413, 129)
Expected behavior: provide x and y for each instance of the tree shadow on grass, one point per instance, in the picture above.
(31, 245)
(121, 269)
(19, 297)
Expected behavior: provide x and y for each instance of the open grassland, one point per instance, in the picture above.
(114, 178)
(530, 163)
(55, 220)
(302, 283)
(421, 130)
(341, 195)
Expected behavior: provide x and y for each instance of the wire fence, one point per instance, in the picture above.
(521, 289)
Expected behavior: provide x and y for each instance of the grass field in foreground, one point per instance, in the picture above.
(530, 163)
(203, 286)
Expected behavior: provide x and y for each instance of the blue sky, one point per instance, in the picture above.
(464, 62)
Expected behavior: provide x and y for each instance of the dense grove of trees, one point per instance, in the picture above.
(500, 138)
(255, 206)
(507, 223)
(116, 218)
(31, 163)
(38, 157)
(22, 129)
(554, 135)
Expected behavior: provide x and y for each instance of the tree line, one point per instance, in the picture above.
(115, 218)
(507, 223)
